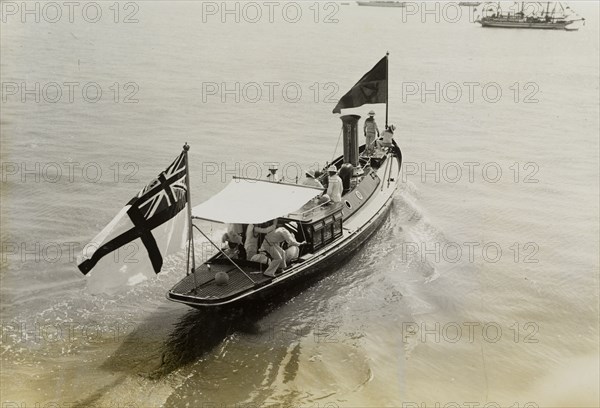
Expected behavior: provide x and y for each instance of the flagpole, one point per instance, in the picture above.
(387, 95)
(186, 148)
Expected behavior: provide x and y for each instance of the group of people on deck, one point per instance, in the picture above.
(270, 251)
(264, 243)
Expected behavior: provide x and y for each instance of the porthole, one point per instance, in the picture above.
(348, 204)
(358, 194)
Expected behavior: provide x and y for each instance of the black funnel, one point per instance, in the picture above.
(350, 129)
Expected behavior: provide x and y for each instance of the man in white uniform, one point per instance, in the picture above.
(371, 132)
(335, 187)
(272, 245)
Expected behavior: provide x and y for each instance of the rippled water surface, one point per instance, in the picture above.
(481, 286)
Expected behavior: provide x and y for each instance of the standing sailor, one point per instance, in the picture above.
(371, 132)
(335, 186)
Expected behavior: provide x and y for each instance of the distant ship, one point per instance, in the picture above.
(382, 3)
(557, 17)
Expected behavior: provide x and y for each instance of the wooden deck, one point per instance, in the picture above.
(202, 284)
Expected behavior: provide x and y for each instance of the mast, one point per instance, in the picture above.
(190, 250)
(387, 87)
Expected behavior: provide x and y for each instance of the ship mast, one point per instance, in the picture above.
(190, 249)
(387, 94)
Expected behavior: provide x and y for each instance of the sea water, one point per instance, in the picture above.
(482, 285)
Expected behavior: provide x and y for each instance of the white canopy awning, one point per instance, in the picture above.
(250, 201)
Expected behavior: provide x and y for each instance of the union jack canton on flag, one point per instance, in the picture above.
(151, 226)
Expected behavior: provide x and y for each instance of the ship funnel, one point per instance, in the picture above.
(350, 129)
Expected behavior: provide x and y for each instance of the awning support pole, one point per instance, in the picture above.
(226, 256)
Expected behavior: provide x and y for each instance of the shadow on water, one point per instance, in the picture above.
(199, 331)
(166, 342)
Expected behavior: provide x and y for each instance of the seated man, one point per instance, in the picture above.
(233, 238)
(251, 244)
(311, 180)
(292, 252)
(387, 137)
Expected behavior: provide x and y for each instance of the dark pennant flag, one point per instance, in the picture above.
(371, 88)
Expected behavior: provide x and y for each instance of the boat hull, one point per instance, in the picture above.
(529, 25)
(376, 4)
